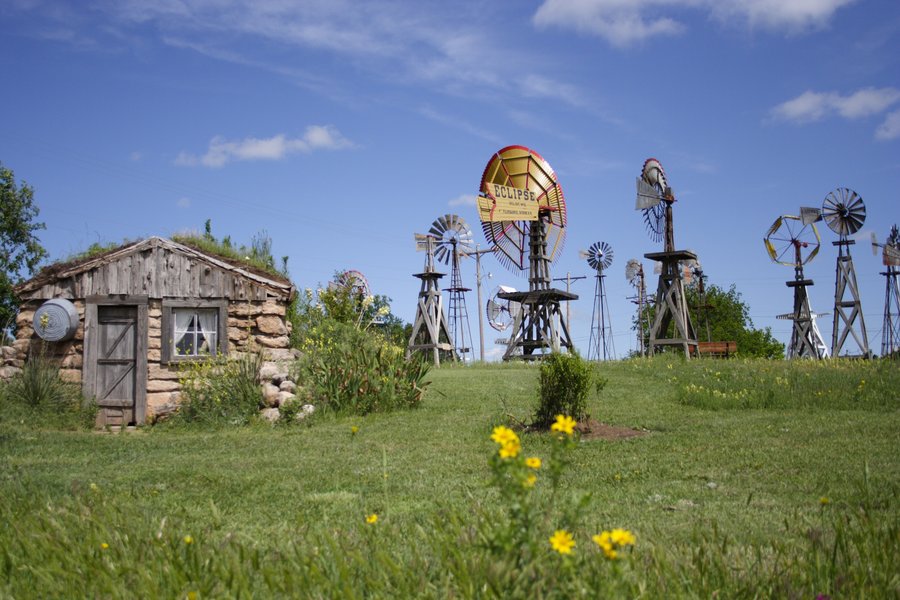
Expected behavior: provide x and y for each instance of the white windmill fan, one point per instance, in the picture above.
(502, 313)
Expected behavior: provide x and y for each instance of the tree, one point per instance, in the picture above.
(20, 249)
(729, 320)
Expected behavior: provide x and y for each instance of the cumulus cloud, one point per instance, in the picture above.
(890, 129)
(221, 151)
(625, 22)
(813, 106)
(464, 200)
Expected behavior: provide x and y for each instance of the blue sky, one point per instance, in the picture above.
(342, 128)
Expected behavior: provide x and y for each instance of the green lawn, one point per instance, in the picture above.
(796, 498)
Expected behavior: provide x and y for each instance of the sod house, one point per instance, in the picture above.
(121, 322)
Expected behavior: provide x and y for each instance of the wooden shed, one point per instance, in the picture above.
(139, 310)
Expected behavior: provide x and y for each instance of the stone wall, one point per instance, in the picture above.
(252, 326)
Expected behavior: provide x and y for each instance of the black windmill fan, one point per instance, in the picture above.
(599, 256)
(501, 313)
(653, 192)
(453, 235)
(844, 211)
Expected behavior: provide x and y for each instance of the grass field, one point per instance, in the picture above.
(753, 479)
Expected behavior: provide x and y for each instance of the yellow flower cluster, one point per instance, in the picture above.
(564, 424)
(372, 519)
(562, 541)
(510, 446)
(612, 541)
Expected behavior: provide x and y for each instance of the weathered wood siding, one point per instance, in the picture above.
(156, 273)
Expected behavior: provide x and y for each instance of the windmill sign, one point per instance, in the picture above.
(505, 203)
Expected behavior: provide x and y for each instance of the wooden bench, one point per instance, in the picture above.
(717, 349)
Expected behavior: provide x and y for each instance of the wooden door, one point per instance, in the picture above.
(116, 366)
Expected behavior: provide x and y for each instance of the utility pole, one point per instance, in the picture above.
(477, 254)
(569, 279)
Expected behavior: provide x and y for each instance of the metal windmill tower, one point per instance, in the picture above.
(890, 329)
(430, 331)
(634, 274)
(655, 198)
(792, 243)
(703, 307)
(601, 347)
(523, 215)
(844, 212)
(454, 240)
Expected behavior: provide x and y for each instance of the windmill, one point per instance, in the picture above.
(655, 199)
(453, 239)
(354, 281)
(844, 212)
(430, 331)
(523, 216)
(634, 274)
(703, 306)
(890, 258)
(501, 313)
(600, 256)
(793, 243)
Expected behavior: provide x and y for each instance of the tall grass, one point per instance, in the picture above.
(39, 396)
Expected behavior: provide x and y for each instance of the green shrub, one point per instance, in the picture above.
(565, 382)
(39, 395)
(351, 370)
(221, 391)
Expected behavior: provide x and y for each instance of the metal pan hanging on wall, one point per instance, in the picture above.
(56, 320)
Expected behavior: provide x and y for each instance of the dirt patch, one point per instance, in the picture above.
(595, 430)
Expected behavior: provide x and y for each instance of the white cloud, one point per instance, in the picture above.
(813, 106)
(890, 129)
(183, 202)
(222, 151)
(464, 200)
(625, 22)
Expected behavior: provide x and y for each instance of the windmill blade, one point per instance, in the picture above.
(810, 214)
(647, 195)
(875, 244)
(633, 269)
(844, 211)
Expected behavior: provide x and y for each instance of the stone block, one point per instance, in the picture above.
(8, 371)
(273, 342)
(243, 323)
(72, 361)
(238, 333)
(153, 354)
(281, 354)
(162, 385)
(270, 394)
(287, 385)
(25, 317)
(270, 414)
(284, 397)
(271, 325)
(154, 312)
(272, 308)
(268, 371)
(158, 372)
(70, 375)
(244, 309)
(154, 342)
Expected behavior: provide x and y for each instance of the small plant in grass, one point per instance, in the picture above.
(524, 534)
(40, 394)
(565, 382)
(351, 370)
(221, 390)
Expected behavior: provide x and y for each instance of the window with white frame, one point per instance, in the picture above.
(195, 331)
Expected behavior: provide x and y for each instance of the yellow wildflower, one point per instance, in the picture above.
(192, 595)
(533, 462)
(611, 541)
(104, 545)
(188, 539)
(354, 429)
(530, 480)
(564, 424)
(503, 435)
(824, 500)
(510, 449)
(372, 519)
(562, 541)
